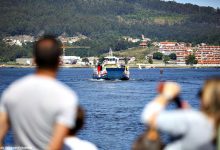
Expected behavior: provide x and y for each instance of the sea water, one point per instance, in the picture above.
(113, 108)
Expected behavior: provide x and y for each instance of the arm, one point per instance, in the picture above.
(65, 120)
(153, 109)
(173, 122)
(4, 119)
(60, 132)
(4, 126)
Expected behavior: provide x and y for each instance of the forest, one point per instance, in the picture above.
(106, 21)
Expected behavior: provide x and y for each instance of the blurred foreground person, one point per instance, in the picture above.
(197, 129)
(39, 108)
(150, 140)
(72, 142)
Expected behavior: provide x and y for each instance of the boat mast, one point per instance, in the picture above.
(110, 52)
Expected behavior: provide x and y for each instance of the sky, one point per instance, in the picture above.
(212, 3)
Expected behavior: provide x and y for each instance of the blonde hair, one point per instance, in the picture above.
(211, 100)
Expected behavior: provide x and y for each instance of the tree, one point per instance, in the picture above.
(94, 61)
(126, 60)
(86, 60)
(191, 59)
(166, 59)
(158, 55)
(172, 56)
(101, 59)
(150, 61)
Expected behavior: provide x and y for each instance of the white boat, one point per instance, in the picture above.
(110, 69)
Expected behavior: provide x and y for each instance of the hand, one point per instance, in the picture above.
(171, 90)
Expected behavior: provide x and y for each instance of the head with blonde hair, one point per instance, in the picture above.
(210, 99)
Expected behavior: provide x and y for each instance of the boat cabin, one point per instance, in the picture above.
(111, 60)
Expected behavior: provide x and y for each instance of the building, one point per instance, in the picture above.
(65, 39)
(130, 39)
(24, 61)
(126, 60)
(162, 44)
(18, 40)
(181, 50)
(70, 59)
(182, 53)
(93, 61)
(143, 44)
(208, 55)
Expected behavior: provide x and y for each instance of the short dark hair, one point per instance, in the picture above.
(47, 55)
(79, 121)
(147, 141)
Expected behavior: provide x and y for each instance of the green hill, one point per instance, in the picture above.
(105, 21)
(139, 53)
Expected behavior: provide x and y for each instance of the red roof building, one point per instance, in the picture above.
(208, 55)
(181, 52)
(143, 44)
(161, 44)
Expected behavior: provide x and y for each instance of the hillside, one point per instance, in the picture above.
(139, 53)
(105, 21)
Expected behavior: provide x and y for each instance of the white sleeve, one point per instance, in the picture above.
(173, 122)
(3, 103)
(68, 110)
(149, 110)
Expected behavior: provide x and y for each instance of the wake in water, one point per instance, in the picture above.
(103, 80)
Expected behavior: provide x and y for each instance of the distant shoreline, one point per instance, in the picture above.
(148, 66)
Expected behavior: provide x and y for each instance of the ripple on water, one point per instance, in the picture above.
(113, 108)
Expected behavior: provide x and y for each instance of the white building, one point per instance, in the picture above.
(70, 59)
(167, 44)
(72, 39)
(24, 61)
(18, 39)
(130, 39)
(93, 60)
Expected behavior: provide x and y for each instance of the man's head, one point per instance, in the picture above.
(79, 121)
(47, 52)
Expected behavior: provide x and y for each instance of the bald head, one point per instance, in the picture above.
(47, 51)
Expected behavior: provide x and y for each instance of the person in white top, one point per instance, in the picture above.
(72, 142)
(38, 108)
(198, 129)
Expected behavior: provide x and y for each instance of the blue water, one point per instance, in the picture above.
(114, 107)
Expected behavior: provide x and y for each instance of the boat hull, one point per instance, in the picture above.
(113, 74)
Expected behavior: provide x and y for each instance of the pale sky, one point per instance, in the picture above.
(212, 3)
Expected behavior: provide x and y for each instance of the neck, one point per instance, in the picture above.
(46, 73)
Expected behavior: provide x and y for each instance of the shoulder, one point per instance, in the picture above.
(15, 86)
(89, 145)
(186, 117)
(65, 92)
(77, 143)
(182, 113)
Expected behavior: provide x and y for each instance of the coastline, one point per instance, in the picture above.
(147, 66)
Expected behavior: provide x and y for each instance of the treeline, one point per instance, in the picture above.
(105, 21)
(10, 53)
(95, 17)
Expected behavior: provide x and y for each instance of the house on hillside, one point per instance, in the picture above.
(167, 44)
(181, 50)
(70, 59)
(208, 55)
(143, 44)
(72, 39)
(18, 40)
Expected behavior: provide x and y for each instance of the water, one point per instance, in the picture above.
(114, 107)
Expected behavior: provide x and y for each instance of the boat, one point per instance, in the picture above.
(111, 69)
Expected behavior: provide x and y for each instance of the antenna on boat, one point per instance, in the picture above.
(110, 52)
